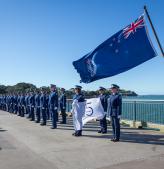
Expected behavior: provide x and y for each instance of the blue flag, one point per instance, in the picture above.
(124, 50)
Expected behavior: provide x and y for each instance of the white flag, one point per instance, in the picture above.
(93, 110)
(78, 110)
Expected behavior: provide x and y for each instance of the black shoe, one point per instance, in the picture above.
(100, 131)
(31, 119)
(116, 140)
(104, 132)
(43, 124)
(112, 139)
(53, 127)
(78, 133)
(62, 122)
(73, 134)
(37, 121)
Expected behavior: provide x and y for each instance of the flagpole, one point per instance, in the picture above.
(156, 36)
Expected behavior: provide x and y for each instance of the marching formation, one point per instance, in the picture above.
(39, 106)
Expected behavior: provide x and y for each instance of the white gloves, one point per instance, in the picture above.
(119, 116)
(74, 103)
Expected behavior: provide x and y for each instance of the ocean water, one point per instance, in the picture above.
(145, 97)
(147, 108)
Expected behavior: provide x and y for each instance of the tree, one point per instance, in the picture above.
(25, 87)
(3, 89)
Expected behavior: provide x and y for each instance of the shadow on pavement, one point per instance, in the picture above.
(2, 130)
(134, 137)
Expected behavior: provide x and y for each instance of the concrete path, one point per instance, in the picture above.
(27, 145)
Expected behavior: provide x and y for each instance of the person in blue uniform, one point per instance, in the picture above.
(53, 105)
(43, 107)
(22, 105)
(4, 102)
(19, 104)
(78, 110)
(47, 108)
(114, 110)
(37, 106)
(103, 99)
(62, 103)
(8, 103)
(0, 102)
(12, 103)
(32, 105)
(15, 103)
(26, 104)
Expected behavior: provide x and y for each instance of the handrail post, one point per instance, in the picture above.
(134, 115)
(135, 112)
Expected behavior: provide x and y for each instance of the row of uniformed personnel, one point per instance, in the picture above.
(36, 105)
(43, 105)
(112, 106)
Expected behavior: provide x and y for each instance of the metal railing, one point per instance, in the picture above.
(139, 110)
(144, 110)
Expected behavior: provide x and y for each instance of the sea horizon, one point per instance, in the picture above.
(146, 97)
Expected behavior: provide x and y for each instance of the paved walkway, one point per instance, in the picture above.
(26, 145)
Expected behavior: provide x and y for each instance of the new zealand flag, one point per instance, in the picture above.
(124, 50)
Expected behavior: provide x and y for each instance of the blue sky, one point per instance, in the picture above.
(39, 39)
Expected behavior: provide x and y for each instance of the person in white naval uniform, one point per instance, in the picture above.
(78, 110)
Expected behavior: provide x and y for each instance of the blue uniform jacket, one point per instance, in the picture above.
(114, 105)
(62, 101)
(43, 101)
(32, 101)
(15, 99)
(26, 100)
(79, 97)
(22, 101)
(7, 100)
(103, 99)
(4, 100)
(37, 100)
(53, 100)
(47, 101)
(19, 100)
